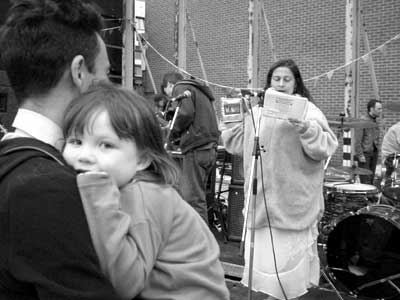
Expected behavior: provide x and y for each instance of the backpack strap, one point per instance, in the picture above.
(20, 144)
(39, 149)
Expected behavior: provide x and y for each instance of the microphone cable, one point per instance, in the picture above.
(270, 231)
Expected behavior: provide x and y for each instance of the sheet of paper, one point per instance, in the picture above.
(232, 109)
(283, 106)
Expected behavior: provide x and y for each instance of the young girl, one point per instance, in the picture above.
(150, 242)
(291, 178)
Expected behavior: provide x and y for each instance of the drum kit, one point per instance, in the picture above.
(360, 230)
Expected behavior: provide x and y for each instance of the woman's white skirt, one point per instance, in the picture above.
(296, 256)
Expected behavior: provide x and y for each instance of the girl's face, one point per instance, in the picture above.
(100, 149)
(282, 80)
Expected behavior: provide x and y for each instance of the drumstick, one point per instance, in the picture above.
(395, 165)
(3, 129)
(327, 162)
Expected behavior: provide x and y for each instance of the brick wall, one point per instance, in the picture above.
(310, 32)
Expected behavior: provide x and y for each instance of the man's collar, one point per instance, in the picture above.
(372, 117)
(32, 124)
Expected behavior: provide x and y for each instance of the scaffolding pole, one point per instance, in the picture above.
(128, 43)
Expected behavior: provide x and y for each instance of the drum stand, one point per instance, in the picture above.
(387, 279)
(330, 283)
(395, 166)
(326, 277)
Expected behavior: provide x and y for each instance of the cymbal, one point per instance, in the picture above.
(354, 170)
(336, 172)
(333, 174)
(351, 123)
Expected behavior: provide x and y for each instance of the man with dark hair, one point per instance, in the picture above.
(367, 141)
(196, 128)
(52, 51)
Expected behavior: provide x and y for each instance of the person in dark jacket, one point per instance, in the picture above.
(51, 51)
(367, 141)
(196, 128)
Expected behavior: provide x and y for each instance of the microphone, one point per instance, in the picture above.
(184, 95)
(252, 92)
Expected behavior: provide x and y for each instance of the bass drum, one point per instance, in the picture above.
(363, 253)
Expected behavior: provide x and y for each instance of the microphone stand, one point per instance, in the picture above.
(251, 199)
(171, 125)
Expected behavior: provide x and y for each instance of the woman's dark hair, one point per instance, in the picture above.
(299, 87)
(132, 117)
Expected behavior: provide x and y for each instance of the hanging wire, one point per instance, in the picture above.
(329, 74)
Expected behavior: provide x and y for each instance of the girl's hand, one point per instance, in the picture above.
(300, 126)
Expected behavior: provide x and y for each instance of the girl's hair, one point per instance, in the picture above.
(132, 118)
(299, 87)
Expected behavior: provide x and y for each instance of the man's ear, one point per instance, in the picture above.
(77, 70)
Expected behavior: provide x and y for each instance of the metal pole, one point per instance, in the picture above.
(142, 48)
(128, 42)
(256, 44)
(370, 60)
(356, 52)
(203, 70)
(250, 64)
(351, 78)
(271, 44)
(182, 35)
(355, 107)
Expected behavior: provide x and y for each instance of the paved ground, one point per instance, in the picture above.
(232, 261)
(233, 265)
(238, 292)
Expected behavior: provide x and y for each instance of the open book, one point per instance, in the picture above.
(283, 106)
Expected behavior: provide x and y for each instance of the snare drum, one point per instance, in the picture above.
(358, 195)
(363, 252)
(357, 189)
(330, 186)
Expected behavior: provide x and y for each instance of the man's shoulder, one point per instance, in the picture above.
(395, 127)
(31, 160)
(190, 83)
(24, 147)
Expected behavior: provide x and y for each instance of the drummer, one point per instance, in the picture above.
(367, 141)
(390, 147)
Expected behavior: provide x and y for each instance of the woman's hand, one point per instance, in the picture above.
(300, 126)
